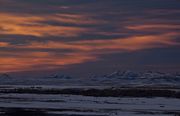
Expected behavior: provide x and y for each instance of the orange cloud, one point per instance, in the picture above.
(153, 27)
(81, 50)
(75, 19)
(130, 43)
(35, 60)
(84, 51)
(4, 44)
(33, 26)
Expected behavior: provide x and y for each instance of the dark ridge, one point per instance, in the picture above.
(23, 112)
(45, 112)
(34, 112)
(109, 92)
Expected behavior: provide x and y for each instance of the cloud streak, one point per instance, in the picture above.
(64, 33)
(84, 51)
(34, 26)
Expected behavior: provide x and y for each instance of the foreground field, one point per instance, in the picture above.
(27, 101)
(118, 94)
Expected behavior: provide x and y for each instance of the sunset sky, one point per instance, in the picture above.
(89, 36)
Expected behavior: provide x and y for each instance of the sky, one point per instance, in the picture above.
(83, 37)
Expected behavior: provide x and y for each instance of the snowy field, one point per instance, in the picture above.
(72, 105)
(116, 94)
(50, 101)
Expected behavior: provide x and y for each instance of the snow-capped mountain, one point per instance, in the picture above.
(138, 78)
(139, 75)
(59, 76)
(123, 74)
(117, 78)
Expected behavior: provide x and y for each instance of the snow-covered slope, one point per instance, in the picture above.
(117, 78)
(127, 78)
